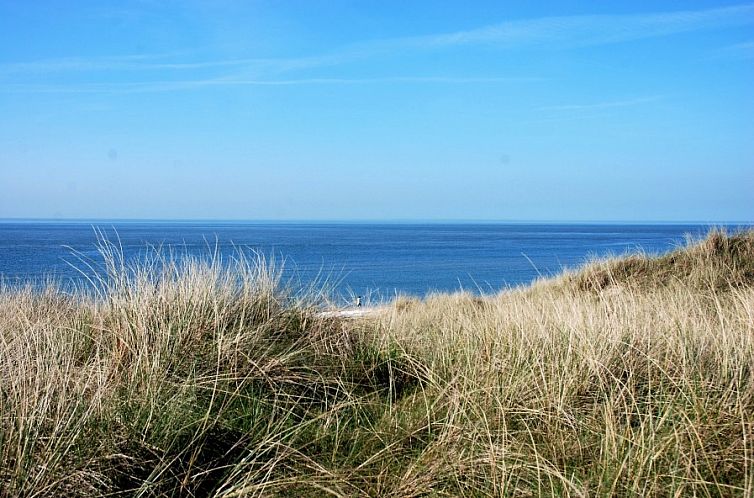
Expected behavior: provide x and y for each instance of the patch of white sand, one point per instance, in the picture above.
(355, 313)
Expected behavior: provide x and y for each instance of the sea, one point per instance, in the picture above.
(375, 260)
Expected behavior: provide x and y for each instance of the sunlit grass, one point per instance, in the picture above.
(200, 377)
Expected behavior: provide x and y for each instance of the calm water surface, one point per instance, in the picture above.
(367, 259)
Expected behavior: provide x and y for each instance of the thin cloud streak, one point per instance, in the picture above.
(742, 46)
(86, 64)
(602, 105)
(564, 32)
(144, 63)
(587, 30)
(164, 86)
(743, 50)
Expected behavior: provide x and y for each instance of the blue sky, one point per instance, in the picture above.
(570, 111)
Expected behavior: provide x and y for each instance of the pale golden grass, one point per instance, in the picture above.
(196, 380)
(630, 393)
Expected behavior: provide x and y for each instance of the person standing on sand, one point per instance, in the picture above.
(358, 301)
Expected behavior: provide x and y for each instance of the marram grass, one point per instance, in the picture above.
(630, 377)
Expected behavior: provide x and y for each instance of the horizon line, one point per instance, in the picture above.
(367, 221)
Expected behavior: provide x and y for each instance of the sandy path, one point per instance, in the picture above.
(353, 313)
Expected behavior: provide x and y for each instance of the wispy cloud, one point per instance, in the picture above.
(89, 64)
(162, 86)
(588, 30)
(602, 105)
(737, 50)
(748, 46)
(163, 62)
(565, 32)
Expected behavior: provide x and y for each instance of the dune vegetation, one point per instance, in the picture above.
(629, 377)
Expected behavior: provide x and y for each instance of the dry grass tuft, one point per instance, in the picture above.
(203, 379)
(719, 261)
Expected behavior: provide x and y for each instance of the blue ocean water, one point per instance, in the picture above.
(376, 260)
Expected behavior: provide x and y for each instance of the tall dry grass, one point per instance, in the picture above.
(631, 377)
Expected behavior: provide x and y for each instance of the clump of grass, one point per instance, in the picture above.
(718, 261)
(161, 381)
(405, 303)
(204, 378)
